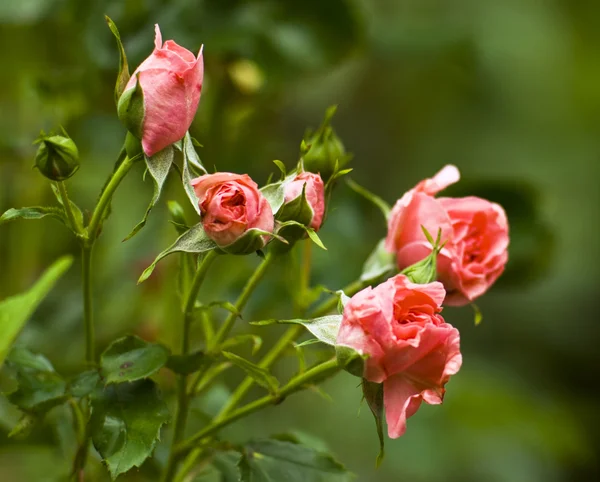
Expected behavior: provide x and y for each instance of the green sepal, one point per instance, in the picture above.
(383, 206)
(275, 195)
(158, 166)
(40, 388)
(260, 375)
(281, 166)
(225, 305)
(425, 271)
(194, 240)
(191, 164)
(251, 241)
(130, 108)
(57, 157)
(273, 460)
(123, 75)
(380, 265)
(130, 358)
(16, 310)
(351, 360)
(186, 364)
(125, 424)
(74, 208)
(324, 328)
(373, 394)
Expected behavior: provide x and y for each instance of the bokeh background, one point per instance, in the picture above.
(507, 90)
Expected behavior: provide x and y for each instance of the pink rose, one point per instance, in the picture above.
(171, 81)
(314, 192)
(231, 205)
(475, 231)
(411, 350)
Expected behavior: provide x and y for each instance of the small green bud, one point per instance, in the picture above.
(322, 151)
(57, 156)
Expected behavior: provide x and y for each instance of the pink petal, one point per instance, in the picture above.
(401, 400)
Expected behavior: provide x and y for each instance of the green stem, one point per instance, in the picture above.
(250, 286)
(315, 374)
(76, 226)
(107, 195)
(88, 314)
(182, 397)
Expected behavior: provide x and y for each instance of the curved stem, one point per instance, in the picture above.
(88, 314)
(242, 300)
(62, 190)
(317, 373)
(107, 195)
(182, 398)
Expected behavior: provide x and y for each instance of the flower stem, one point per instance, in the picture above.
(249, 288)
(75, 225)
(182, 396)
(315, 374)
(106, 196)
(88, 314)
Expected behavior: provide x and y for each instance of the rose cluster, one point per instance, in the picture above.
(396, 327)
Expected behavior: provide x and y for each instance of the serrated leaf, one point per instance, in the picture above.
(373, 394)
(125, 424)
(34, 212)
(237, 340)
(40, 387)
(16, 310)
(190, 161)
(275, 195)
(186, 364)
(194, 240)
(123, 75)
(258, 374)
(84, 383)
(324, 328)
(131, 358)
(379, 265)
(383, 206)
(276, 461)
(158, 166)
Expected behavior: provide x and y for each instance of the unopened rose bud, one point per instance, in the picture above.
(57, 157)
(160, 100)
(323, 149)
(310, 210)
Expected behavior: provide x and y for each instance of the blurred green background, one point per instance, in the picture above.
(507, 90)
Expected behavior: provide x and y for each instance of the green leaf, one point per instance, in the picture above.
(237, 340)
(186, 364)
(125, 424)
(194, 240)
(123, 76)
(258, 374)
(158, 166)
(226, 305)
(380, 264)
(276, 461)
(84, 383)
(131, 358)
(190, 161)
(275, 195)
(373, 394)
(34, 212)
(24, 426)
(16, 310)
(312, 234)
(281, 166)
(324, 328)
(383, 206)
(478, 314)
(74, 208)
(40, 387)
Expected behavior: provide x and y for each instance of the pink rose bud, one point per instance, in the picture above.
(475, 232)
(160, 100)
(314, 191)
(409, 346)
(235, 214)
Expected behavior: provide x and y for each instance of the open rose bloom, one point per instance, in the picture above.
(475, 232)
(231, 207)
(171, 82)
(410, 349)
